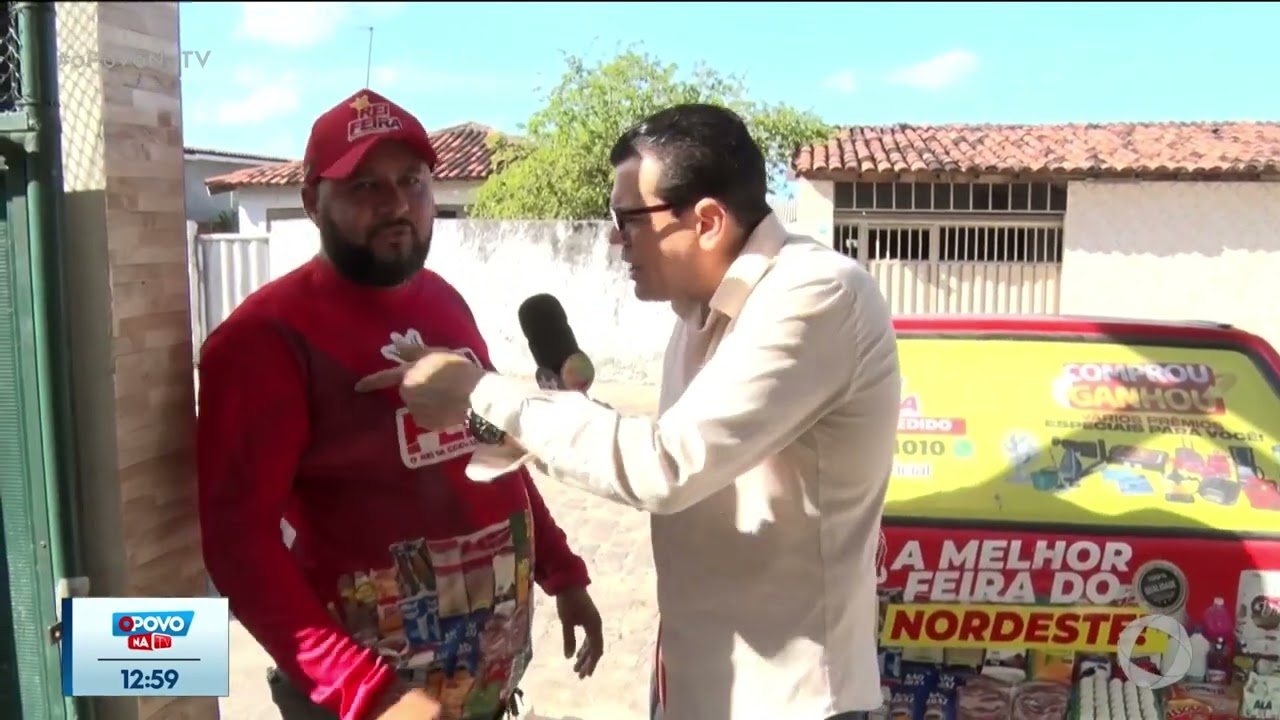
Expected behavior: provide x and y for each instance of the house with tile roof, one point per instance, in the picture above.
(200, 164)
(1140, 219)
(271, 192)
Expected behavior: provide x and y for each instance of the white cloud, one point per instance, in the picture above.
(258, 98)
(302, 24)
(288, 24)
(937, 72)
(843, 82)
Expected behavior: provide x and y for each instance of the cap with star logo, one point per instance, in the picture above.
(341, 137)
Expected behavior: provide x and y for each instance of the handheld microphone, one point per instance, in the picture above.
(561, 363)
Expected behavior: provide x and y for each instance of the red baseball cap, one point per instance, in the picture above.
(341, 137)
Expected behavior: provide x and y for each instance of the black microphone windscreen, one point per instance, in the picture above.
(546, 327)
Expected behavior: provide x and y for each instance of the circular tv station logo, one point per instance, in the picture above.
(1175, 661)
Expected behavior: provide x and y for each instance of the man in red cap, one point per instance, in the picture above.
(407, 592)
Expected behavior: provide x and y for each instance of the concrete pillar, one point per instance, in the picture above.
(815, 209)
(130, 310)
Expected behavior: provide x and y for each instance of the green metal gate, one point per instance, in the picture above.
(36, 516)
(28, 604)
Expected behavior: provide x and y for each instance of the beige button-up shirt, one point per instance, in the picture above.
(765, 474)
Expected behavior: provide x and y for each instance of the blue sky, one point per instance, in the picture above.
(270, 68)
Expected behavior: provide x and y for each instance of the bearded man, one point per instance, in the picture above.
(407, 592)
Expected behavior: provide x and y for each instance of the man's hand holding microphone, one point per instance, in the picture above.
(437, 386)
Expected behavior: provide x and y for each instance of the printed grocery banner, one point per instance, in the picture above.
(991, 625)
(1086, 433)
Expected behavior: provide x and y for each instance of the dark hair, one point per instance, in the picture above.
(706, 151)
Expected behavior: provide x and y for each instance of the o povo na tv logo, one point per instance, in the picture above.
(1175, 661)
(151, 630)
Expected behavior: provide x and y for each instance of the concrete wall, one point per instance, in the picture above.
(255, 201)
(129, 311)
(1174, 251)
(496, 265)
(815, 209)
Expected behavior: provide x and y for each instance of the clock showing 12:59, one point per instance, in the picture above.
(155, 679)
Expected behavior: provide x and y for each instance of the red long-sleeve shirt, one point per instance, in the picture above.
(400, 563)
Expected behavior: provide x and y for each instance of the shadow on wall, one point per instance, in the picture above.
(81, 100)
(497, 264)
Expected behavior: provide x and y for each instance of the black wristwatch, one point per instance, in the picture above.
(483, 431)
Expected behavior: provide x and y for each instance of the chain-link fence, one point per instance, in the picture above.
(10, 58)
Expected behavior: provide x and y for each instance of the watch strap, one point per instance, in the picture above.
(484, 431)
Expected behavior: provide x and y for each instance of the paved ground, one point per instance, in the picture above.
(615, 543)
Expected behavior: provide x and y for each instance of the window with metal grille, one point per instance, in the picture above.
(1015, 197)
(846, 239)
(1017, 244)
(902, 243)
(1000, 244)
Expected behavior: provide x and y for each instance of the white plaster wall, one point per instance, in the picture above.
(1174, 251)
(496, 265)
(815, 209)
(255, 201)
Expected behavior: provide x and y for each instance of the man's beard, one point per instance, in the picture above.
(360, 265)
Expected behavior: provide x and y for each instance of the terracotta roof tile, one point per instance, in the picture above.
(462, 154)
(279, 174)
(1204, 148)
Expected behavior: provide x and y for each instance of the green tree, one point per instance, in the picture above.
(559, 167)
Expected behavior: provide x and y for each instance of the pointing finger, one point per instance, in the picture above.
(382, 379)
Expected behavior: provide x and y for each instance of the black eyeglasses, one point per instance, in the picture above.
(621, 215)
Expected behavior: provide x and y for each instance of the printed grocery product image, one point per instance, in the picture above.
(1081, 524)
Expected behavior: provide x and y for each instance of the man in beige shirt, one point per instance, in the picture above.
(765, 472)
